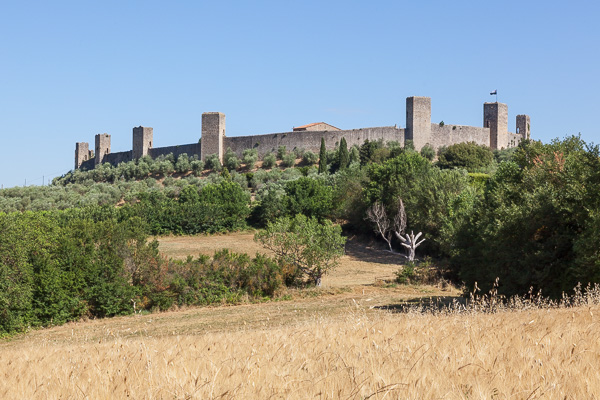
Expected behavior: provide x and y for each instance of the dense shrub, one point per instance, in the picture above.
(308, 196)
(470, 156)
(249, 158)
(281, 151)
(309, 158)
(212, 162)
(428, 152)
(269, 160)
(537, 225)
(288, 160)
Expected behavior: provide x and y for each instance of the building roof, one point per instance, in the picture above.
(305, 127)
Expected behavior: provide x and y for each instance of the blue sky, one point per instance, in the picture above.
(72, 69)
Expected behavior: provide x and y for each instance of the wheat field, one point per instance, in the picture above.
(357, 354)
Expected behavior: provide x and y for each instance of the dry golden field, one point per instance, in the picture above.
(335, 343)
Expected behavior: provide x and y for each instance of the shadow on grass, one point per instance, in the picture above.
(371, 251)
(435, 303)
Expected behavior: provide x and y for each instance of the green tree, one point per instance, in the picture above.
(308, 196)
(470, 156)
(312, 247)
(269, 160)
(322, 157)
(249, 157)
(230, 160)
(428, 152)
(344, 157)
(536, 226)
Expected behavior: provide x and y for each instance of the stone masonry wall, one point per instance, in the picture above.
(311, 140)
(119, 157)
(450, 134)
(189, 149)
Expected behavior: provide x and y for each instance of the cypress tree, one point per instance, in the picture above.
(322, 157)
(343, 154)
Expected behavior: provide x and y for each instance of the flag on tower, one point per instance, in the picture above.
(495, 92)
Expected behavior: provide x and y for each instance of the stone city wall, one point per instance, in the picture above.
(311, 140)
(189, 149)
(119, 157)
(451, 134)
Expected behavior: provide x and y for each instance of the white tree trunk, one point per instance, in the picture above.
(411, 242)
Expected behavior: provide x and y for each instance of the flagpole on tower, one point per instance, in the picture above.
(495, 92)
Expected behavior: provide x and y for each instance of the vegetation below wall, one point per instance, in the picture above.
(529, 216)
(58, 267)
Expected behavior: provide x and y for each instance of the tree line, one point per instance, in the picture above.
(528, 216)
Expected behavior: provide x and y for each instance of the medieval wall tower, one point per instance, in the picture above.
(102, 147)
(82, 153)
(142, 141)
(213, 132)
(495, 117)
(523, 126)
(418, 121)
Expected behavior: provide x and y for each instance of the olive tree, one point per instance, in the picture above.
(313, 248)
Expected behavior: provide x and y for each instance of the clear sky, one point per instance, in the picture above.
(73, 69)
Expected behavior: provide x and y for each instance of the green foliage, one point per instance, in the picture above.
(230, 160)
(212, 162)
(313, 248)
(435, 200)
(308, 196)
(406, 274)
(344, 157)
(288, 160)
(322, 157)
(470, 156)
(281, 151)
(197, 167)
(428, 152)
(354, 155)
(61, 266)
(269, 160)
(56, 269)
(309, 158)
(249, 158)
(183, 164)
(536, 224)
(367, 151)
(299, 152)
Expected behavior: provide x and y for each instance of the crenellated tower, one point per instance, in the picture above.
(523, 126)
(418, 121)
(495, 117)
(213, 132)
(142, 141)
(102, 147)
(82, 153)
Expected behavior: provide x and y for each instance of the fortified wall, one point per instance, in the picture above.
(494, 134)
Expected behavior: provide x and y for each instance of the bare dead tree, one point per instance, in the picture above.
(411, 242)
(378, 216)
(399, 224)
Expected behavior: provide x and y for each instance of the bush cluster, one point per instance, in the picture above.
(61, 266)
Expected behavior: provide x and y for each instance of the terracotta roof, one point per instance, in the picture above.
(313, 124)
